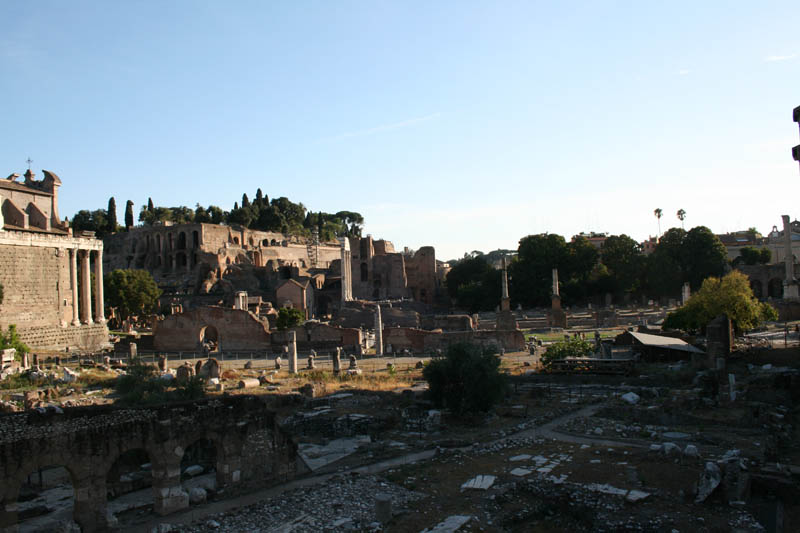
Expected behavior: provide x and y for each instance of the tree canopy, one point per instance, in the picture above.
(279, 215)
(730, 295)
(466, 380)
(289, 317)
(474, 284)
(131, 292)
(750, 255)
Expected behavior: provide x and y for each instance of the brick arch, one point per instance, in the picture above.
(10, 493)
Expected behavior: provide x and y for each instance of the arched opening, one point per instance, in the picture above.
(775, 288)
(182, 240)
(195, 239)
(758, 289)
(158, 243)
(251, 241)
(265, 242)
(46, 500)
(199, 470)
(209, 338)
(168, 263)
(129, 484)
(181, 259)
(171, 242)
(227, 260)
(364, 272)
(236, 240)
(194, 259)
(273, 242)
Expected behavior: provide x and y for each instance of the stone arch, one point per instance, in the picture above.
(236, 240)
(265, 242)
(195, 239)
(130, 470)
(775, 288)
(273, 242)
(35, 481)
(170, 241)
(209, 333)
(158, 242)
(757, 287)
(182, 240)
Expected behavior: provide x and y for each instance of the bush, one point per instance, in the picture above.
(466, 380)
(289, 317)
(143, 385)
(10, 339)
(730, 295)
(574, 347)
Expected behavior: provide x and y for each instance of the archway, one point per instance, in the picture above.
(46, 500)
(195, 239)
(209, 338)
(129, 484)
(199, 470)
(182, 240)
(775, 288)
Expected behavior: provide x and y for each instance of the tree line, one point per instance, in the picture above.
(586, 274)
(279, 215)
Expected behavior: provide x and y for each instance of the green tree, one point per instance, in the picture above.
(131, 292)
(730, 295)
(129, 215)
(658, 213)
(245, 200)
(96, 221)
(754, 256)
(572, 347)
(150, 206)
(703, 255)
(10, 339)
(113, 226)
(466, 380)
(665, 264)
(625, 262)
(289, 317)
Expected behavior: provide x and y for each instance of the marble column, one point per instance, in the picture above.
(292, 352)
(378, 331)
(86, 288)
(347, 279)
(98, 288)
(73, 271)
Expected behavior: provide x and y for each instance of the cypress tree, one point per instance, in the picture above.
(129, 215)
(112, 215)
(150, 205)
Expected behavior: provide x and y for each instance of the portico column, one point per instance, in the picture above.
(86, 288)
(98, 288)
(73, 271)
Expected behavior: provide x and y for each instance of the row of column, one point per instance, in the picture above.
(82, 306)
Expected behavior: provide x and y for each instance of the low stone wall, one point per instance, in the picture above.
(235, 329)
(92, 337)
(423, 341)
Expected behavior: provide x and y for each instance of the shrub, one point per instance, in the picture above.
(466, 380)
(10, 339)
(143, 385)
(574, 347)
(288, 317)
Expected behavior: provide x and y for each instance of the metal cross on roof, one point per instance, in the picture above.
(29, 161)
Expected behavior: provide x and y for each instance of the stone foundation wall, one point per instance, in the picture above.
(421, 341)
(36, 282)
(236, 330)
(55, 338)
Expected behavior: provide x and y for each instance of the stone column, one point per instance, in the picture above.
(789, 283)
(292, 352)
(90, 507)
(169, 496)
(555, 282)
(73, 271)
(505, 301)
(378, 331)
(98, 288)
(347, 279)
(86, 288)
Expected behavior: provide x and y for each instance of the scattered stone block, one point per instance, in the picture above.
(690, 451)
(521, 472)
(481, 482)
(451, 524)
(383, 508)
(197, 495)
(631, 397)
(709, 481)
(523, 457)
(248, 383)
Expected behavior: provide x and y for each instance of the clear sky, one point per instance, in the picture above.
(463, 125)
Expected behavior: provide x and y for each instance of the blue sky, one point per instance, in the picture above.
(462, 125)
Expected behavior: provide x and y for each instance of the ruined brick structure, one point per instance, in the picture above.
(200, 259)
(251, 451)
(46, 270)
(224, 328)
